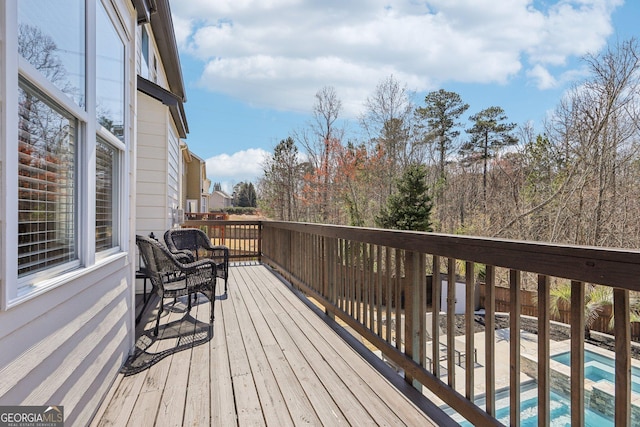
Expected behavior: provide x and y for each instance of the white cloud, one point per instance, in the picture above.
(243, 165)
(542, 77)
(278, 53)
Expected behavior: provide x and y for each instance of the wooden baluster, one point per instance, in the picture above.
(544, 309)
(490, 339)
(469, 329)
(514, 347)
(577, 353)
(451, 322)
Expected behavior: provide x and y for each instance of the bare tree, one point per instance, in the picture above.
(281, 183)
(598, 125)
(320, 140)
(388, 126)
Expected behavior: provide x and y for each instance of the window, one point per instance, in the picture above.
(109, 75)
(47, 158)
(51, 37)
(110, 106)
(144, 52)
(106, 200)
(68, 146)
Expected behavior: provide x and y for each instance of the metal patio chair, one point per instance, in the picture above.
(196, 241)
(172, 276)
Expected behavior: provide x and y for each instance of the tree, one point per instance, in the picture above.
(281, 184)
(441, 111)
(321, 140)
(410, 207)
(388, 124)
(489, 134)
(244, 195)
(597, 126)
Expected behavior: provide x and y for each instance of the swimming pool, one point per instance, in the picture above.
(599, 368)
(560, 410)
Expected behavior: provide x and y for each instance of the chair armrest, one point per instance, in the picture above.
(184, 256)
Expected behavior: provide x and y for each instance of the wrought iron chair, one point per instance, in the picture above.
(193, 241)
(172, 277)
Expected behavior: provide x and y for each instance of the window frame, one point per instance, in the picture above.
(14, 291)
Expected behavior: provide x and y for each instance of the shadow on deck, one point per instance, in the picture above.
(270, 358)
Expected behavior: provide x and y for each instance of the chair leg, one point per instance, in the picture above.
(160, 309)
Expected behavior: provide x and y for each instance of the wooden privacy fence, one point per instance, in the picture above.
(355, 274)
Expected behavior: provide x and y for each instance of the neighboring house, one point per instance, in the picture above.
(161, 123)
(195, 184)
(219, 200)
(71, 102)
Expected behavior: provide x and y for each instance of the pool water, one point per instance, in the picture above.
(597, 368)
(600, 368)
(560, 410)
(560, 413)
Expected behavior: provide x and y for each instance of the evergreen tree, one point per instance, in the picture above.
(489, 134)
(244, 195)
(441, 112)
(409, 208)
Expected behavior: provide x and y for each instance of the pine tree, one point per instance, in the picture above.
(409, 208)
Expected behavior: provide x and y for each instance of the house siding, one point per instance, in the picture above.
(152, 161)
(70, 347)
(173, 174)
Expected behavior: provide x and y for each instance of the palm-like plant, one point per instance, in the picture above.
(596, 298)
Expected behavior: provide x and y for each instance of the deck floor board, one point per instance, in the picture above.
(269, 361)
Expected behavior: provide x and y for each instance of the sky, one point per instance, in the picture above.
(251, 68)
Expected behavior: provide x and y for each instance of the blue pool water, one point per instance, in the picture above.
(600, 368)
(560, 410)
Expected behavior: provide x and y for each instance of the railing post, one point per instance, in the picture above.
(260, 237)
(622, 331)
(412, 313)
(577, 353)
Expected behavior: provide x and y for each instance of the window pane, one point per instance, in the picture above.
(106, 206)
(144, 52)
(47, 222)
(51, 36)
(110, 74)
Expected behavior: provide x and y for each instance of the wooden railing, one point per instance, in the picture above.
(371, 278)
(242, 237)
(380, 283)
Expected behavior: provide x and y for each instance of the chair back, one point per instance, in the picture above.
(157, 259)
(191, 239)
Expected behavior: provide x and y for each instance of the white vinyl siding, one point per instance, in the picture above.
(173, 168)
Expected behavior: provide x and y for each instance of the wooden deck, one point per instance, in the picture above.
(269, 361)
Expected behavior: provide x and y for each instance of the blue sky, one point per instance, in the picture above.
(252, 67)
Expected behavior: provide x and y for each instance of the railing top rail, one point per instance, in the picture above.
(216, 222)
(605, 266)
